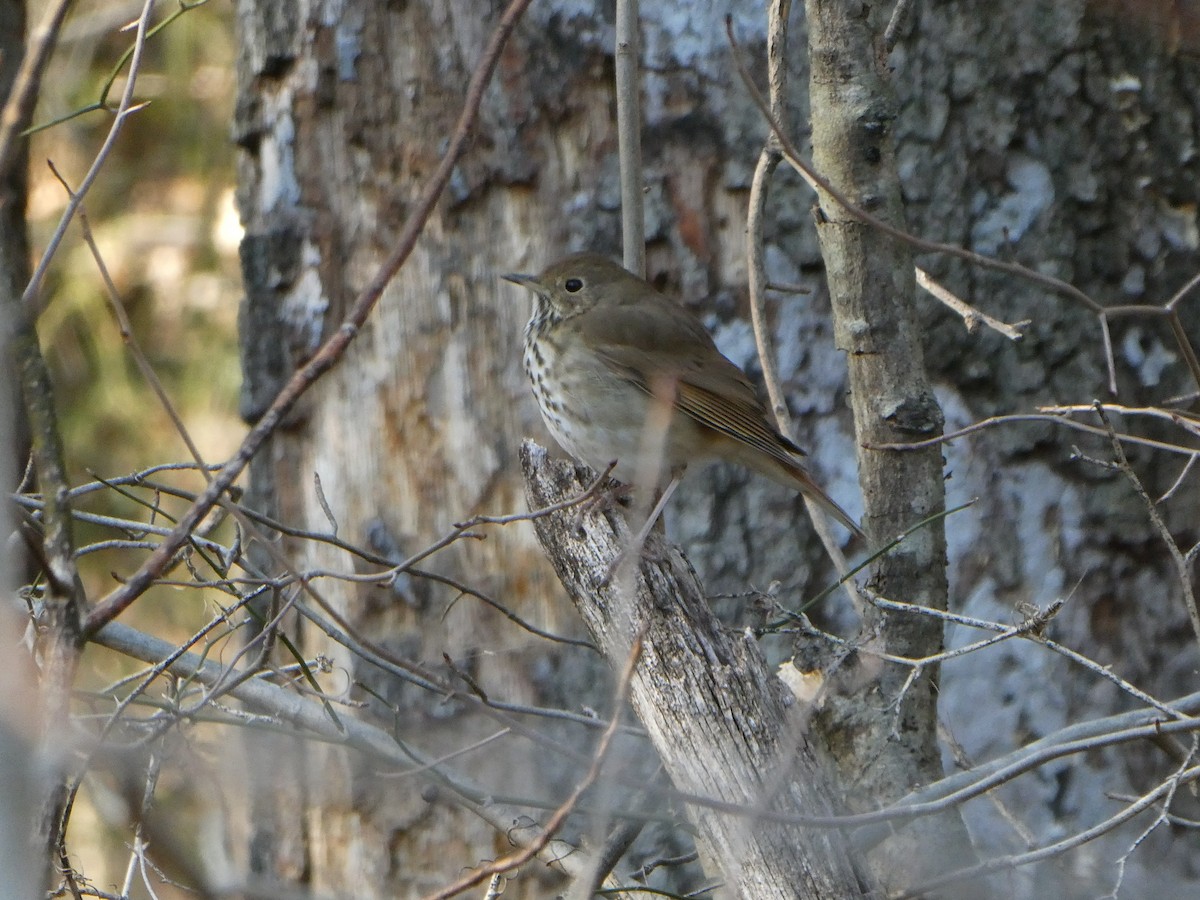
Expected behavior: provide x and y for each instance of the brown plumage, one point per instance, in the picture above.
(603, 346)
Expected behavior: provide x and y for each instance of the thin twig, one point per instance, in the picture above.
(131, 526)
(413, 673)
(1187, 421)
(972, 318)
(127, 336)
(1191, 285)
(1162, 818)
(1033, 634)
(1178, 482)
(325, 508)
(101, 102)
(1182, 569)
(124, 109)
(768, 160)
(629, 136)
(900, 16)
(993, 421)
(966, 764)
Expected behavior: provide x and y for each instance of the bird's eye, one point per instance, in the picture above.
(573, 285)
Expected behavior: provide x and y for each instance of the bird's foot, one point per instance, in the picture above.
(607, 496)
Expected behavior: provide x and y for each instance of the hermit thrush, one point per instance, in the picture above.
(603, 347)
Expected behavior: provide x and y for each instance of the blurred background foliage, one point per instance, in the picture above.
(163, 216)
(162, 213)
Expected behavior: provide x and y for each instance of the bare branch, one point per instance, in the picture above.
(1033, 632)
(971, 317)
(768, 160)
(124, 109)
(1182, 568)
(900, 16)
(311, 718)
(1058, 848)
(993, 421)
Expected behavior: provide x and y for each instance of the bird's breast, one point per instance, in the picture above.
(543, 366)
(593, 414)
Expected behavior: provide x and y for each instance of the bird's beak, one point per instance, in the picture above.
(529, 281)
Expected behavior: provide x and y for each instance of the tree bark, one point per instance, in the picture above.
(720, 721)
(872, 287)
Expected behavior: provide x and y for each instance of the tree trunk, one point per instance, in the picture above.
(871, 287)
(716, 715)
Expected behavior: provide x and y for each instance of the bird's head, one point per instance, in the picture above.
(575, 284)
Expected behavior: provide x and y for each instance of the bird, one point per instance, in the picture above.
(604, 350)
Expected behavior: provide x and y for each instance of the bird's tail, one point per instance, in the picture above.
(779, 464)
(809, 488)
(793, 474)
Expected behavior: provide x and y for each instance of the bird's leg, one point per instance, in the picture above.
(635, 546)
(656, 513)
(604, 496)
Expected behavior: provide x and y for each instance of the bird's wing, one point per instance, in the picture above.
(652, 345)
